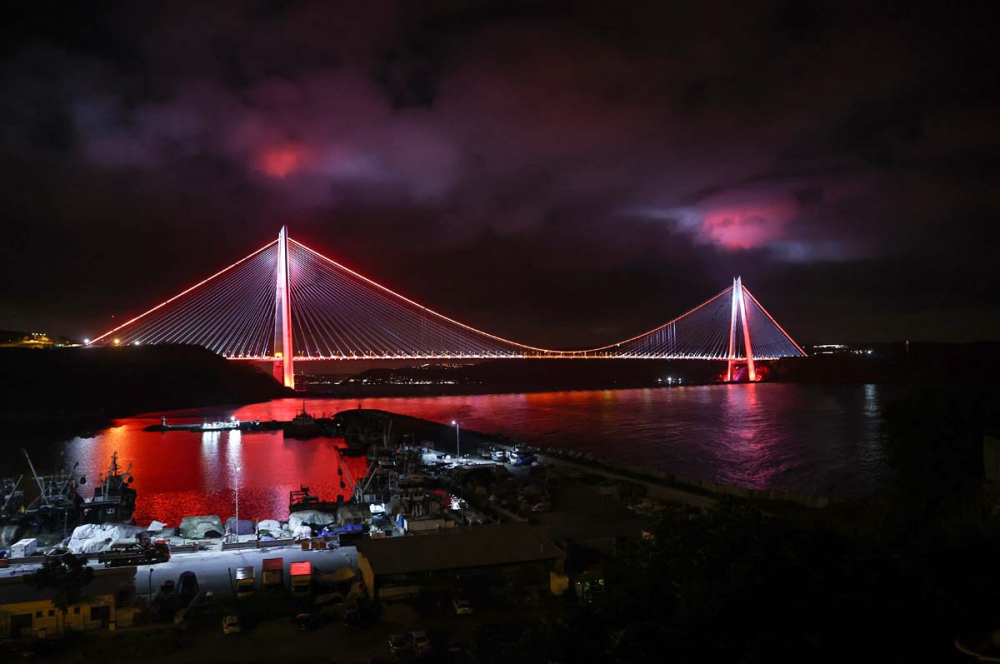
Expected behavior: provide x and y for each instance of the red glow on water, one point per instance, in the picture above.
(769, 435)
(181, 473)
(282, 160)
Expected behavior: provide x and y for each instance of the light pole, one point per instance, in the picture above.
(458, 442)
(237, 533)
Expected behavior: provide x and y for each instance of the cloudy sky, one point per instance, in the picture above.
(560, 173)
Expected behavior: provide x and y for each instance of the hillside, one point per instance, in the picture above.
(83, 384)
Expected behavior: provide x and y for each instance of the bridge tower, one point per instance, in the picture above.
(739, 312)
(284, 369)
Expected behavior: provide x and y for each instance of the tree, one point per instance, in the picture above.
(67, 575)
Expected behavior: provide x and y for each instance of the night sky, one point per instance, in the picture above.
(563, 174)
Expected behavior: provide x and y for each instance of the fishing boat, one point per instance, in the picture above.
(114, 498)
(56, 509)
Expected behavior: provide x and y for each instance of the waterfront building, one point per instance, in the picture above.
(501, 558)
(108, 602)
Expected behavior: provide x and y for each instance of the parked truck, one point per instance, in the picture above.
(301, 577)
(273, 576)
(135, 553)
(244, 582)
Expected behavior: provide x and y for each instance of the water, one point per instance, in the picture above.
(814, 439)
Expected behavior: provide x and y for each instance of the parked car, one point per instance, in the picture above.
(231, 625)
(419, 641)
(463, 607)
(499, 455)
(398, 644)
(524, 459)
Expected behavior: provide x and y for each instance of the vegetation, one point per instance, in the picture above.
(67, 576)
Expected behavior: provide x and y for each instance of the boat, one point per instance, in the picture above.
(12, 497)
(232, 424)
(301, 500)
(302, 425)
(57, 507)
(10, 510)
(114, 498)
(221, 425)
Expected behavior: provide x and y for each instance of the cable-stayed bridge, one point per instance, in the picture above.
(287, 303)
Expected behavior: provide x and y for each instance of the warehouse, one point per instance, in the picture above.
(500, 558)
(108, 602)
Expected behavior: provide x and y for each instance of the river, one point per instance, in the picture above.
(809, 438)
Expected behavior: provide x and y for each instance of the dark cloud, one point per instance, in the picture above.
(611, 164)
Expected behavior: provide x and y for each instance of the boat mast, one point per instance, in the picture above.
(38, 480)
(69, 478)
(13, 492)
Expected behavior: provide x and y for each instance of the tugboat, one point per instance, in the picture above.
(302, 425)
(114, 499)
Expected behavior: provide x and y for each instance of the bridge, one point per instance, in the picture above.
(287, 303)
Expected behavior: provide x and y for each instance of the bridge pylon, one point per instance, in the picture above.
(739, 316)
(284, 367)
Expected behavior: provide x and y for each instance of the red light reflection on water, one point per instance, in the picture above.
(799, 438)
(181, 473)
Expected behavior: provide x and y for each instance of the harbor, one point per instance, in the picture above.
(428, 506)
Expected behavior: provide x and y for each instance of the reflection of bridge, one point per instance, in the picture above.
(286, 296)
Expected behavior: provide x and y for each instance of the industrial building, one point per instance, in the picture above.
(108, 602)
(501, 557)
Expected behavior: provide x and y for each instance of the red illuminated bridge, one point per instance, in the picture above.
(288, 303)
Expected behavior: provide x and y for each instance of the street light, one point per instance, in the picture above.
(237, 533)
(458, 443)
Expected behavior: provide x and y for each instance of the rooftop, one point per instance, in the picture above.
(18, 589)
(481, 546)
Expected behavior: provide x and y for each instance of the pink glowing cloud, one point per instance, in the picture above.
(747, 226)
(281, 161)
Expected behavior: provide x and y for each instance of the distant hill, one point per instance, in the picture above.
(11, 338)
(971, 363)
(65, 383)
(517, 375)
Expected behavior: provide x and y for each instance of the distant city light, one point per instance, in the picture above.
(86, 342)
(117, 342)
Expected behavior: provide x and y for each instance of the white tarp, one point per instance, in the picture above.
(305, 517)
(95, 537)
(273, 528)
(156, 526)
(302, 532)
(200, 527)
